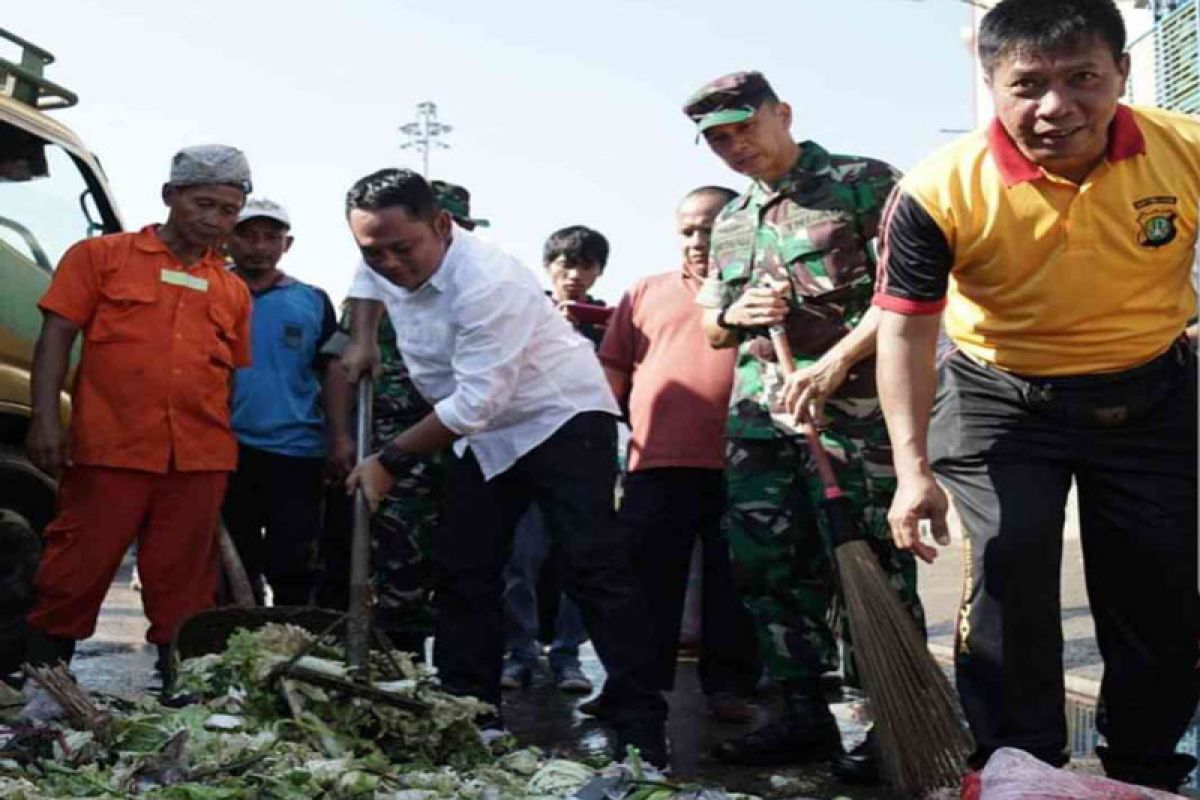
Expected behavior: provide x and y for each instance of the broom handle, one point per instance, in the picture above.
(783, 355)
(358, 624)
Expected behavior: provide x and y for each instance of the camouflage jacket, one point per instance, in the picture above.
(398, 405)
(816, 231)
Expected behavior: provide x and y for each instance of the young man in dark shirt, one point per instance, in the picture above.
(574, 259)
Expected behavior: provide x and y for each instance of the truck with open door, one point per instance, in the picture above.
(53, 193)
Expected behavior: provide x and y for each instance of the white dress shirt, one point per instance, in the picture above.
(488, 349)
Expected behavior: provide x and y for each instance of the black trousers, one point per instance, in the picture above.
(333, 550)
(1007, 448)
(571, 476)
(273, 512)
(664, 512)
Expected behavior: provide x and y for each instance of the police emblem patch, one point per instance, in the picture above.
(1156, 220)
(1156, 228)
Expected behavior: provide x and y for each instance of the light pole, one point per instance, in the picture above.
(425, 133)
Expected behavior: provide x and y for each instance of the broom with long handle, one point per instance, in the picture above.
(923, 743)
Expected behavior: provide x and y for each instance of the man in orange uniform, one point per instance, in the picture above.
(150, 447)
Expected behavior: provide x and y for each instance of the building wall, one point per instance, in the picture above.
(1177, 53)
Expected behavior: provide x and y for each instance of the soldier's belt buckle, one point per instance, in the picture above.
(1113, 415)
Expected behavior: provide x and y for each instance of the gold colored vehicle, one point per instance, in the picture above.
(52, 194)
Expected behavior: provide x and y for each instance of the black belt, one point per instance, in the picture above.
(1106, 399)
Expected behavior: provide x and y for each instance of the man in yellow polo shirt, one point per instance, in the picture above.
(1056, 246)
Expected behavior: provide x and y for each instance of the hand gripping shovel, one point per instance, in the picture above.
(208, 631)
(923, 744)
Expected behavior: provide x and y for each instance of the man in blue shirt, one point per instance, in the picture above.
(289, 413)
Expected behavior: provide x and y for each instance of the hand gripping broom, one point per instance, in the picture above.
(923, 744)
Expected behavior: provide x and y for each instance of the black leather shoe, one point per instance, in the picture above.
(650, 739)
(1165, 771)
(165, 666)
(43, 650)
(859, 767)
(806, 731)
(600, 707)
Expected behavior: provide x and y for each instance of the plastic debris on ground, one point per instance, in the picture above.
(250, 733)
(1012, 774)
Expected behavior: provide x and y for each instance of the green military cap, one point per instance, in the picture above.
(456, 201)
(729, 98)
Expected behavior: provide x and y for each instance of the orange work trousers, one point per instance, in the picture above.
(101, 511)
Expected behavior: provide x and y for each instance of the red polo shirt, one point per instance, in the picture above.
(160, 342)
(680, 385)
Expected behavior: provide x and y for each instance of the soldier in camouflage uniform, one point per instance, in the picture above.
(402, 525)
(796, 249)
(404, 522)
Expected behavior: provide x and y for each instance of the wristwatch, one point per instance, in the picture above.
(723, 325)
(393, 458)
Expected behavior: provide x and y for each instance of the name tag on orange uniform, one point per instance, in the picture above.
(185, 280)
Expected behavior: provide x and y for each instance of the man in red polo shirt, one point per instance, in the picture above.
(674, 390)
(164, 325)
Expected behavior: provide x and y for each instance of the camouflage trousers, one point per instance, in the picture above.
(402, 527)
(401, 532)
(780, 544)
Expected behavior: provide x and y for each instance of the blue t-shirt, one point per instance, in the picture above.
(277, 399)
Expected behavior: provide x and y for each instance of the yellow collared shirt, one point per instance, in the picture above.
(1038, 275)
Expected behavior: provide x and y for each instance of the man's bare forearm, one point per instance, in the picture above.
(51, 357)
(620, 383)
(336, 394)
(907, 381)
(718, 338)
(364, 319)
(859, 342)
(427, 436)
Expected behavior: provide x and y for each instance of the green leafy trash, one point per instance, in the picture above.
(249, 736)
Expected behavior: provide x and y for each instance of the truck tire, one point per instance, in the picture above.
(27, 499)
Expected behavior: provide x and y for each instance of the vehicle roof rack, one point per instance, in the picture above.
(24, 82)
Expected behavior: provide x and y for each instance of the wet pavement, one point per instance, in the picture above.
(117, 660)
(543, 716)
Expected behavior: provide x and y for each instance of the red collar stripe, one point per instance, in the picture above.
(1125, 140)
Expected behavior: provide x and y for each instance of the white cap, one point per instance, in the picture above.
(262, 207)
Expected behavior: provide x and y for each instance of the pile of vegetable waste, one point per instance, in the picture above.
(243, 731)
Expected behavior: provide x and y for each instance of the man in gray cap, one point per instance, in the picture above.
(164, 325)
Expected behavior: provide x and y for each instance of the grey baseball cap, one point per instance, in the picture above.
(208, 164)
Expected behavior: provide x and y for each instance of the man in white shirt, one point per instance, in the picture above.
(525, 404)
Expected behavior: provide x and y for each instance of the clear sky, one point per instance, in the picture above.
(563, 112)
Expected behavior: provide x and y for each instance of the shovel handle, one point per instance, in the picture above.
(787, 365)
(235, 571)
(358, 623)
